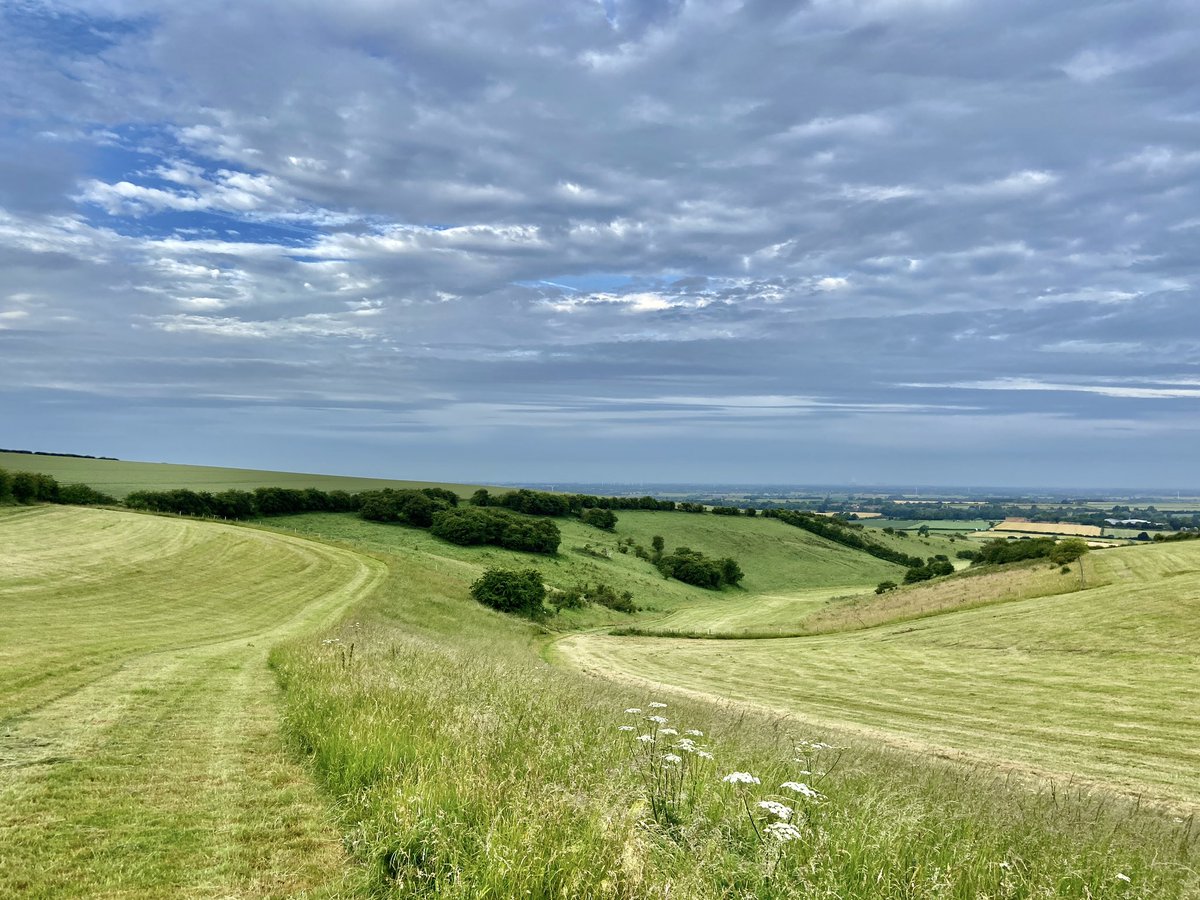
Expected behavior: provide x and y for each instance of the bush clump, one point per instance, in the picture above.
(486, 525)
(604, 519)
(511, 591)
(693, 567)
(581, 595)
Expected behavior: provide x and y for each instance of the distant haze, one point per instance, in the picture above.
(844, 241)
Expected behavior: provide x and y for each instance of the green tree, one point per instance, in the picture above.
(731, 572)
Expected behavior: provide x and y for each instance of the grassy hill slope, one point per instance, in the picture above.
(1102, 683)
(785, 566)
(457, 763)
(121, 477)
(140, 749)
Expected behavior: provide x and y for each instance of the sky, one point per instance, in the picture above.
(837, 241)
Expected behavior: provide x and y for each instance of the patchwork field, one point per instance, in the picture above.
(140, 749)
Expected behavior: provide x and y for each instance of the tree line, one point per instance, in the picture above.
(34, 487)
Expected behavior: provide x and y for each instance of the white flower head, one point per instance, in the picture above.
(783, 832)
(704, 754)
(657, 705)
(672, 759)
(780, 810)
(624, 728)
(694, 732)
(740, 778)
(813, 745)
(645, 738)
(803, 790)
(633, 710)
(667, 731)
(657, 720)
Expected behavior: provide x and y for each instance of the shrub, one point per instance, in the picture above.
(693, 567)
(82, 495)
(604, 519)
(884, 586)
(510, 591)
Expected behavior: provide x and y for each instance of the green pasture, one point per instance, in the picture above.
(779, 561)
(140, 748)
(120, 478)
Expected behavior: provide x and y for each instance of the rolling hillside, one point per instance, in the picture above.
(119, 478)
(140, 748)
(1101, 684)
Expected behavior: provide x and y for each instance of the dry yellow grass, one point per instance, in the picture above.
(1050, 528)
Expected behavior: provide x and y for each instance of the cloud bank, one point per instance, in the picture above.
(873, 240)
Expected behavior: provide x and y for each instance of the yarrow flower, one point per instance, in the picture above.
(802, 789)
(645, 738)
(624, 728)
(672, 759)
(783, 832)
(740, 778)
(657, 705)
(633, 710)
(657, 720)
(813, 745)
(779, 810)
(667, 731)
(694, 732)
(704, 754)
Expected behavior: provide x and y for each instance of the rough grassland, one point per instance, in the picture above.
(1102, 684)
(462, 767)
(140, 754)
(121, 477)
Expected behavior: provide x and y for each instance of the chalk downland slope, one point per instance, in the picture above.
(140, 752)
(1101, 684)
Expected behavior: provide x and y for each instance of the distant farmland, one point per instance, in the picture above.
(1051, 528)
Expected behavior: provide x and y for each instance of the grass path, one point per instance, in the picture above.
(1101, 684)
(148, 760)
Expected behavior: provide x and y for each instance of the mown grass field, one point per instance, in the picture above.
(118, 478)
(140, 748)
(1101, 684)
(421, 747)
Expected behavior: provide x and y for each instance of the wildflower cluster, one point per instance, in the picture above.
(779, 818)
(673, 769)
(676, 773)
